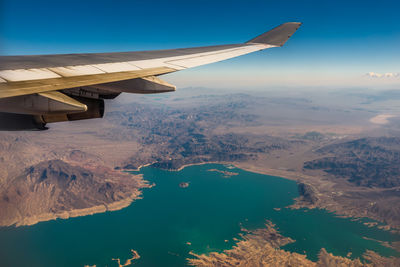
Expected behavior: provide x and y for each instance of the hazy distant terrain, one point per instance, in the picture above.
(344, 159)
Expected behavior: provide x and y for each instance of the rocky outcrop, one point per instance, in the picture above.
(262, 247)
(308, 193)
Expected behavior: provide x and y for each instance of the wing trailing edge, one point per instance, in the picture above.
(145, 85)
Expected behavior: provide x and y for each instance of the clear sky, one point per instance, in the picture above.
(339, 43)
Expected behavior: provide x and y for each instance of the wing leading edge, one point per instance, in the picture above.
(108, 74)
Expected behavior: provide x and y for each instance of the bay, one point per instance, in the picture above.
(170, 221)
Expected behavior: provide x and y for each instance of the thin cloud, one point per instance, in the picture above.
(383, 75)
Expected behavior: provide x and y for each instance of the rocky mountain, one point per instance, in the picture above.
(56, 188)
(371, 162)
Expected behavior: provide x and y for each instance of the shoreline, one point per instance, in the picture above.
(295, 176)
(298, 177)
(194, 164)
(113, 206)
(118, 205)
(138, 168)
(44, 217)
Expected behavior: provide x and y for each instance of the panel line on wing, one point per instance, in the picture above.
(27, 74)
(116, 67)
(70, 71)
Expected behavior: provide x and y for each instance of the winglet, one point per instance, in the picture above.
(277, 36)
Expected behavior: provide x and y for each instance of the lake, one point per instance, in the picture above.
(171, 220)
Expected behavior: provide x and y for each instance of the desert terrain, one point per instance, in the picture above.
(342, 146)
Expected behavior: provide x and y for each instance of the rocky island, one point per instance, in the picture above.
(225, 174)
(184, 185)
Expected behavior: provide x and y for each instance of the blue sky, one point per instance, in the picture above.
(338, 44)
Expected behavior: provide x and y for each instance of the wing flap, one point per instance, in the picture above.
(146, 85)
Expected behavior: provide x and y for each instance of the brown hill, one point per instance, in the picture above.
(56, 188)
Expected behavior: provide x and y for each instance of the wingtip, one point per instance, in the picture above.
(278, 35)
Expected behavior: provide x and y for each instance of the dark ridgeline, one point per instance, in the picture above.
(371, 162)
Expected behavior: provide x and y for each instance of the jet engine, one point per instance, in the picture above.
(94, 110)
(38, 110)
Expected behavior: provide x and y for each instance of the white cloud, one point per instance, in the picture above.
(384, 75)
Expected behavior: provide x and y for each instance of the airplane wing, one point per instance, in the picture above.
(72, 86)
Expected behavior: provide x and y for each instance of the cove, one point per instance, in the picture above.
(171, 220)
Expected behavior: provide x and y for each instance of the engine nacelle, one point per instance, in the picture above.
(14, 122)
(48, 103)
(95, 109)
(19, 122)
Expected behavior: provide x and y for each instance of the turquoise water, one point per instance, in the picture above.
(208, 212)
